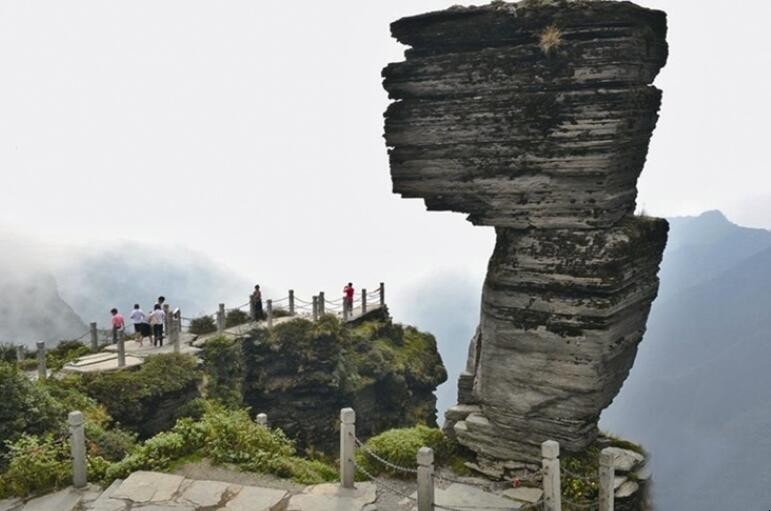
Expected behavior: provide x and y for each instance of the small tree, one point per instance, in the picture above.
(203, 325)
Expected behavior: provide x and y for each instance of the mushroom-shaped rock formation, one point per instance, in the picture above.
(535, 117)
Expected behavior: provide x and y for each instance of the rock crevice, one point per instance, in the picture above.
(535, 118)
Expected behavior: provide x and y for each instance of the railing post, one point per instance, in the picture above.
(552, 492)
(315, 308)
(291, 302)
(42, 371)
(221, 318)
(121, 351)
(270, 313)
(382, 294)
(347, 446)
(94, 336)
(78, 449)
(176, 328)
(607, 475)
(19, 353)
(166, 319)
(322, 304)
(345, 311)
(262, 419)
(425, 479)
(363, 301)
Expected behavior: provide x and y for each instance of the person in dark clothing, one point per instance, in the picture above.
(348, 297)
(255, 304)
(156, 321)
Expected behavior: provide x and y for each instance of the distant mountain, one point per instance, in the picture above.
(131, 273)
(698, 395)
(31, 310)
(53, 293)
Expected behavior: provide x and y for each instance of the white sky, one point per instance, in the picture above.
(252, 131)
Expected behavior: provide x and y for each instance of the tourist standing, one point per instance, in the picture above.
(348, 297)
(139, 318)
(118, 325)
(255, 303)
(156, 322)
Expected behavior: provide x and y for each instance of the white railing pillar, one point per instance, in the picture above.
(176, 329)
(425, 479)
(221, 318)
(552, 492)
(94, 336)
(166, 319)
(322, 304)
(347, 447)
(19, 353)
(607, 476)
(291, 302)
(346, 311)
(269, 304)
(121, 350)
(315, 308)
(382, 294)
(42, 371)
(78, 449)
(363, 301)
(262, 419)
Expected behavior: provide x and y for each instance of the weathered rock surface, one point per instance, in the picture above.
(535, 118)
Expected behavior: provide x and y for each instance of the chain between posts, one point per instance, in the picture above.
(381, 483)
(360, 445)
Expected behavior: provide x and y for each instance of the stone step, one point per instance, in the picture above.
(331, 497)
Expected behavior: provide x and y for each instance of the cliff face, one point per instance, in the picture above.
(535, 118)
(301, 374)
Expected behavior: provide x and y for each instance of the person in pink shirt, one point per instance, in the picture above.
(118, 325)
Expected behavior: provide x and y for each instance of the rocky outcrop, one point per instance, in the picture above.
(301, 374)
(535, 118)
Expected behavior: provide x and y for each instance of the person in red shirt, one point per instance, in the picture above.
(118, 325)
(348, 297)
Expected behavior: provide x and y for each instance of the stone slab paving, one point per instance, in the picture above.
(99, 362)
(11, 504)
(155, 491)
(62, 500)
(147, 348)
(470, 497)
(331, 497)
(524, 494)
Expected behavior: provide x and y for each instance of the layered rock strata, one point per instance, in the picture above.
(535, 118)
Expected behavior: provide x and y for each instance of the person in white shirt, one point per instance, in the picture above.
(139, 319)
(156, 321)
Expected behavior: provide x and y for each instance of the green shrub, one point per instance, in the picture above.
(111, 444)
(400, 447)
(26, 407)
(202, 325)
(134, 398)
(36, 465)
(223, 364)
(236, 317)
(280, 312)
(8, 353)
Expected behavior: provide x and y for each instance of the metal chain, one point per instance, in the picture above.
(387, 463)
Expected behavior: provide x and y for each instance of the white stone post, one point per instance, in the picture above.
(552, 492)
(42, 371)
(94, 336)
(363, 301)
(262, 419)
(221, 318)
(121, 351)
(425, 479)
(322, 303)
(291, 302)
(270, 313)
(382, 294)
(607, 476)
(78, 449)
(166, 319)
(19, 353)
(315, 308)
(345, 311)
(347, 446)
(176, 328)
